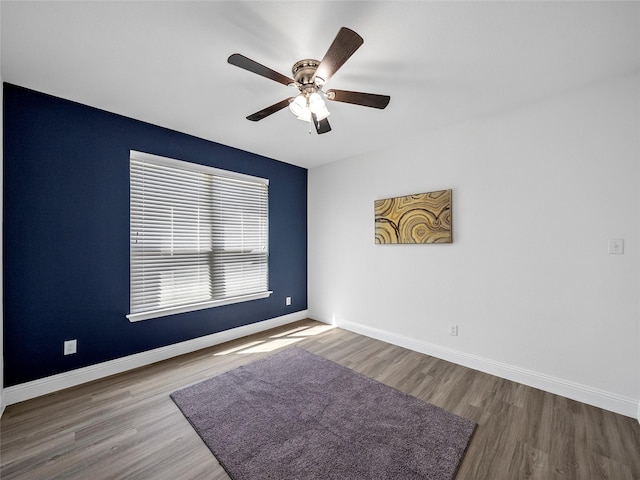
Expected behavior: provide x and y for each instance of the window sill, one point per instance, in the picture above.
(163, 312)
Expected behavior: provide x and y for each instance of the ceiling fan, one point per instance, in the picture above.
(309, 77)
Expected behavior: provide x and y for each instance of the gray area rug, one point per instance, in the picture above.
(297, 416)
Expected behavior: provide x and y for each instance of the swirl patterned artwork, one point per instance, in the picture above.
(420, 218)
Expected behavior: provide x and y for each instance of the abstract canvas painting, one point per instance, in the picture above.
(419, 218)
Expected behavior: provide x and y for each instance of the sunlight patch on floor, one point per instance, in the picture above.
(279, 340)
(310, 332)
(289, 332)
(237, 349)
(272, 345)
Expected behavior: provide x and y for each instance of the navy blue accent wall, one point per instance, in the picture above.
(66, 235)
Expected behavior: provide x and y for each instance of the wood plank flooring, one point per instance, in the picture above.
(127, 427)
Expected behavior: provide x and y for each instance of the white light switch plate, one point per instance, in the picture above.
(616, 246)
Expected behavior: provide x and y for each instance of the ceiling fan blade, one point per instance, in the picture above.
(359, 98)
(255, 67)
(344, 45)
(322, 126)
(269, 110)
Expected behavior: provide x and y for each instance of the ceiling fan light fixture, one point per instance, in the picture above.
(305, 116)
(303, 106)
(315, 101)
(298, 106)
(322, 114)
(317, 106)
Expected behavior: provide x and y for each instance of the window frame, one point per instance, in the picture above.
(195, 168)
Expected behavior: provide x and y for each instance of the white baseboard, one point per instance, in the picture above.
(43, 386)
(583, 393)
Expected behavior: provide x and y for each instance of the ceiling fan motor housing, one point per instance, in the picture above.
(303, 72)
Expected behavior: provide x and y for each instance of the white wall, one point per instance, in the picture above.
(537, 193)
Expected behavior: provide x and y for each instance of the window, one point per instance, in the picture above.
(199, 237)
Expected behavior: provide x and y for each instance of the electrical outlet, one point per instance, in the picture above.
(70, 347)
(453, 330)
(287, 301)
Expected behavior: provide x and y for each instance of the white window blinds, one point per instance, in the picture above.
(199, 237)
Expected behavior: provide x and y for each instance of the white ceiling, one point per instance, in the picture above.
(441, 63)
